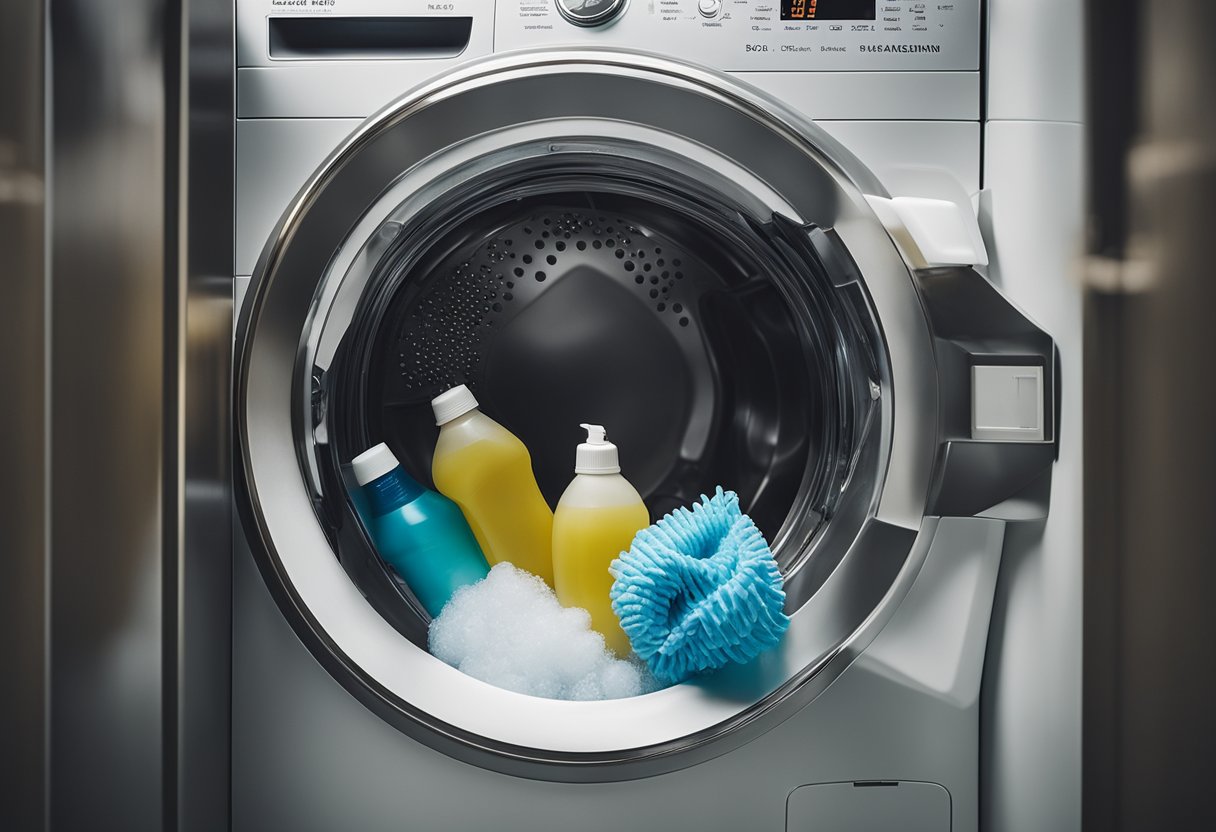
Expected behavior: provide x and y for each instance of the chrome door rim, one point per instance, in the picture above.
(439, 705)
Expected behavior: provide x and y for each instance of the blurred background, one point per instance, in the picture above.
(92, 211)
(1150, 453)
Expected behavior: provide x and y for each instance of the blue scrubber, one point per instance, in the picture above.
(699, 589)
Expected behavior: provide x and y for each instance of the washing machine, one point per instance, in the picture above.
(811, 251)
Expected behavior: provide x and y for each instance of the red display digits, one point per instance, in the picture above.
(802, 9)
(827, 9)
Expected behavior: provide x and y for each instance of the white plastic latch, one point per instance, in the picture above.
(1007, 403)
(932, 232)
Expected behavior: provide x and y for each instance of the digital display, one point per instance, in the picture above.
(827, 9)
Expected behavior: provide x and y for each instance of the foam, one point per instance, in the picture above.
(509, 630)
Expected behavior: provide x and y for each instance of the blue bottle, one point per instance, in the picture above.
(421, 534)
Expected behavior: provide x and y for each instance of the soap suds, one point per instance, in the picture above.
(509, 630)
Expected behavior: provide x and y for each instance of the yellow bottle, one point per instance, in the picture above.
(487, 471)
(596, 519)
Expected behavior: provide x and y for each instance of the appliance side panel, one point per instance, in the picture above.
(1031, 744)
(1035, 59)
(1032, 210)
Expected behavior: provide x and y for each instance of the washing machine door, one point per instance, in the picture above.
(618, 237)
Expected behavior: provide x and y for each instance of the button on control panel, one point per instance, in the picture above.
(752, 35)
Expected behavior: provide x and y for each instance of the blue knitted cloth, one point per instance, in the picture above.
(699, 589)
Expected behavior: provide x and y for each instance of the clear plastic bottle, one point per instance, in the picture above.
(487, 471)
(421, 534)
(596, 519)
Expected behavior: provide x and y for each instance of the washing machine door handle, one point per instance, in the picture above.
(997, 400)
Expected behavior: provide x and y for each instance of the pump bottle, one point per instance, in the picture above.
(596, 519)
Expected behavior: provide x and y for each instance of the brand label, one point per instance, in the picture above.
(902, 47)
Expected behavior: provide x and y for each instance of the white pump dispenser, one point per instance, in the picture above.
(597, 455)
(596, 519)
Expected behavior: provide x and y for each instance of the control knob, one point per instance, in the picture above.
(709, 8)
(590, 12)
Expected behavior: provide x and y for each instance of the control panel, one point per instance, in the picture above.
(751, 35)
(831, 59)
(731, 35)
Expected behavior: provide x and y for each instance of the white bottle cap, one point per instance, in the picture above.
(373, 464)
(597, 455)
(452, 403)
